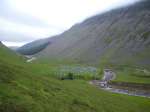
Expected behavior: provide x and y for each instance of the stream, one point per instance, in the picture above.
(30, 59)
(110, 75)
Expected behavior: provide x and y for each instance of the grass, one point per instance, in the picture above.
(133, 75)
(146, 35)
(108, 40)
(62, 71)
(29, 87)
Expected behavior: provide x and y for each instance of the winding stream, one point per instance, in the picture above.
(110, 75)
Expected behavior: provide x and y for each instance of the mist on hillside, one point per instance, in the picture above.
(28, 20)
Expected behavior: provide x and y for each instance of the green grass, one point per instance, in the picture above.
(133, 75)
(59, 71)
(8, 55)
(29, 87)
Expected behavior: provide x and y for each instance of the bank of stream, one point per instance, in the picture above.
(134, 89)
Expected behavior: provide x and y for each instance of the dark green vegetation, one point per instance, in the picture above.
(33, 47)
(29, 87)
(76, 72)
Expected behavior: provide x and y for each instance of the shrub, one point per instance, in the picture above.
(70, 76)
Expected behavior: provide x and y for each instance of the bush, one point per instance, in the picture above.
(70, 76)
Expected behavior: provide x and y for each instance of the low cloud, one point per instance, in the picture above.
(27, 20)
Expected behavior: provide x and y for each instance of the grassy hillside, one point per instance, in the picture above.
(29, 87)
(33, 47)
(8, 55)
(118, 37)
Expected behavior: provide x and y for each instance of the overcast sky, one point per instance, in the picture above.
(23, 21)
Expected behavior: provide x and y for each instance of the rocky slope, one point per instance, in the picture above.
(117, 37)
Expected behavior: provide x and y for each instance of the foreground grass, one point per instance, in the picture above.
(35, 93)
(33, 88)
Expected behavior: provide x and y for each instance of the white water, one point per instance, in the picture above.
(30, 59)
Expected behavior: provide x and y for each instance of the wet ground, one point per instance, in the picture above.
(105, 85)
(128, 91)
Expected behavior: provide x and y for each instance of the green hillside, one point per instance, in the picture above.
(8, 55)
(33, 47)
(29, 87)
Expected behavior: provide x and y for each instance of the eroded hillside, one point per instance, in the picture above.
(121, 36)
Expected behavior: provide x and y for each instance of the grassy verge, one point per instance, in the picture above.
(133, 75)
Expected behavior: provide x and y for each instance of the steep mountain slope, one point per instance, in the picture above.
(120, 36)
(33, 47)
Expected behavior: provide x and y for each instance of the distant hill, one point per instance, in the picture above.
(33, 47)
(13, 47)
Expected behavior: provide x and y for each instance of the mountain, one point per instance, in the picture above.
(33, 47)
(117, 37)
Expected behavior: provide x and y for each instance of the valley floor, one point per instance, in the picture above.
(133, 89)
(35, 87)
